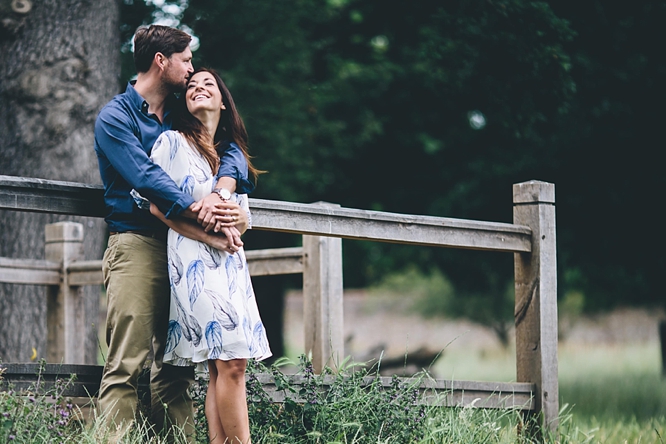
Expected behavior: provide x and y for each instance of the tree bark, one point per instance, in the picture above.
(59, 64)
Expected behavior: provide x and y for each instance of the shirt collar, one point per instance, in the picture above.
(135, 98)
(140, 103)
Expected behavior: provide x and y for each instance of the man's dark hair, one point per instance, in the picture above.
(152, 39)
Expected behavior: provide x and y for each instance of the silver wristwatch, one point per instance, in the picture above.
(223, 193)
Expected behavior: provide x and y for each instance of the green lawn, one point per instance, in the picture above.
(614, 393)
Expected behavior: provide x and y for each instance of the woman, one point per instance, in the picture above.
(214, 318)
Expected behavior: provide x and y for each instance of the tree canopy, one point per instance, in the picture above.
(437, 108)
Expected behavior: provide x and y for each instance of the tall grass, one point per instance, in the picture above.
(350, 411)
(615, 393)
(605, 401)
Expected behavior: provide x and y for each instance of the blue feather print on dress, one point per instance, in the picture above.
(174, 334)
(214, 339)
(171, 138)
(258, 333)
(187, 185)
(230, 266)
(249, 291)
(199, 173)
(224, 311)
(210, 256)
(240, 259)
(175, 266)
(173, 145)
(249, 337)
(195, 281)
(191, 328)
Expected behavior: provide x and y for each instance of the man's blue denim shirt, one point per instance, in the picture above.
(124, 136)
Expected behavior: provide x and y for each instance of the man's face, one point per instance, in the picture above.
(177, 70)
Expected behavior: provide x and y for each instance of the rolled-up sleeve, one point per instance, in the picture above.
(118, 143)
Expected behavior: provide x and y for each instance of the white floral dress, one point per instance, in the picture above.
(213, 313)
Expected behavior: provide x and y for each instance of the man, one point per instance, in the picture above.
(135, 265)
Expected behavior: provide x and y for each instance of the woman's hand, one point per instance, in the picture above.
(233, 237)
(222, 242)
(229, 242)
(205, 208)
(229, 214)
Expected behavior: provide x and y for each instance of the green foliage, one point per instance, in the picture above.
(428, 294)
(433, 294)
(368, 104)
(348, 407)
(134, 13)
(351, 408)
(569, 309)
(29, 417)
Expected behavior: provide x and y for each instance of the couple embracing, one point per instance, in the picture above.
(173, 157)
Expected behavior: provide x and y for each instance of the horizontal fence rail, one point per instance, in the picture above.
(490, 395)
(42, 272)
(29, 271)
(47, 196)
(51, 196)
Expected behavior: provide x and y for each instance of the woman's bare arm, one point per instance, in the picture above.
(192, 230)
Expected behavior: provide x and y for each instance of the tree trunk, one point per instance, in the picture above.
(59, 64)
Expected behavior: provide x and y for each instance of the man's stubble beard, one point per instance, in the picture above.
(172, 84)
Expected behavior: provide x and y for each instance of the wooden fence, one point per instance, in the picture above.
(531, 238)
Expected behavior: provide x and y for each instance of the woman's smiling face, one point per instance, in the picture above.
(203, 94)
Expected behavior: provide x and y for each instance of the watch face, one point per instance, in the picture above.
(224, 194)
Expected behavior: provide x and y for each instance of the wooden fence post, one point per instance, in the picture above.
(65, 318)
(322, 300)
(536, 297)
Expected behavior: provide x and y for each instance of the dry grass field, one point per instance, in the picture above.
(610, 372)
(472, 351)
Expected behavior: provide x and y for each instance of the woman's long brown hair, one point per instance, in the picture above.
(231, 128)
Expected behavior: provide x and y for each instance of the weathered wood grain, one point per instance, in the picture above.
(40, 195)
(29, 271)
(480, 394)
(51, 196)
(536, 297)
(388, 227)
(275, 261)
(65, 314)
(322, 301)
(35, 272)
(85, 273)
